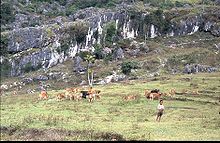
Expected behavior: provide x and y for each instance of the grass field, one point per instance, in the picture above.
(187, 116)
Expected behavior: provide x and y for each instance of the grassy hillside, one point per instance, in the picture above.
(187, 116)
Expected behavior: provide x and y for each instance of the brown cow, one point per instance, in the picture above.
(71, 93)
(153, 96)
(92, 94)
(146, 93)
(43, 95)
(61, 96)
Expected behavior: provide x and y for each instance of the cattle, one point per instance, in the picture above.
(78, 96)
(96, 94)
(71, 93)
(155, 91)
(43, 95)
(61, 96)
(84, 94)
(172, 92)
(153, 96)
(93, 94)
(146, 93)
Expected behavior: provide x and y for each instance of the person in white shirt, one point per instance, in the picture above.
(160, 108)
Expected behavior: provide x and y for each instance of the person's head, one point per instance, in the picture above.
(161, 101)
(90, 87)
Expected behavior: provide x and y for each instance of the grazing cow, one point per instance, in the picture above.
(61, 96)
(155, 96)
(96, 94)
(78, 96)
(172, 92)
(93, 93)
(146, 93)
(43, 95)
(84, 94)
(71, 93)
(155, 93)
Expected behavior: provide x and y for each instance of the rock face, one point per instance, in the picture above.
(112, 78)
(77, 64)
(118, 54)
(44, 43)
(195, 68)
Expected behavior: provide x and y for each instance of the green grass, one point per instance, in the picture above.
(197, 118)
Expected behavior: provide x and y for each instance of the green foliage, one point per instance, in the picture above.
(156, 18)
(7, 14)
(94, 3)
(71, 9)
(127, 66)
(108, 57)
(4, 44)
(85, 54)
(110, 31)
(63, 48)
(193, 58)
(98, 51)
(5, 67)
(28, 67)
(124, 43)
(78, 31)
(179, 4)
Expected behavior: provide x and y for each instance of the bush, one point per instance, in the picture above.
(4, 44)
(71, 9)
(28, 67)
(7, 14)
(5, 68)
(78, 31)
(127, 66)
(110, 30)
(98, 52)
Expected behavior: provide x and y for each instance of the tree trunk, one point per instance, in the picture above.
(91, 78)
(88, 74)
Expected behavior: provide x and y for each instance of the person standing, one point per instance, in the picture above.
(160, 108)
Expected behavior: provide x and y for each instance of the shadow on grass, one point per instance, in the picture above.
(16, 133)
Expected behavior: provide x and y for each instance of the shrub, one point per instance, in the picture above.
(110, 30)
(5, 67)
(4, 44)
(78, 31)
(7, 14)
(28, 67)
(98, 52)
(127, 66)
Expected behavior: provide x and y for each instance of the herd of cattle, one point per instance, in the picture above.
(91, 94)
(74, 94)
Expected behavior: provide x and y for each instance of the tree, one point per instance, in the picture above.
(90, 59)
